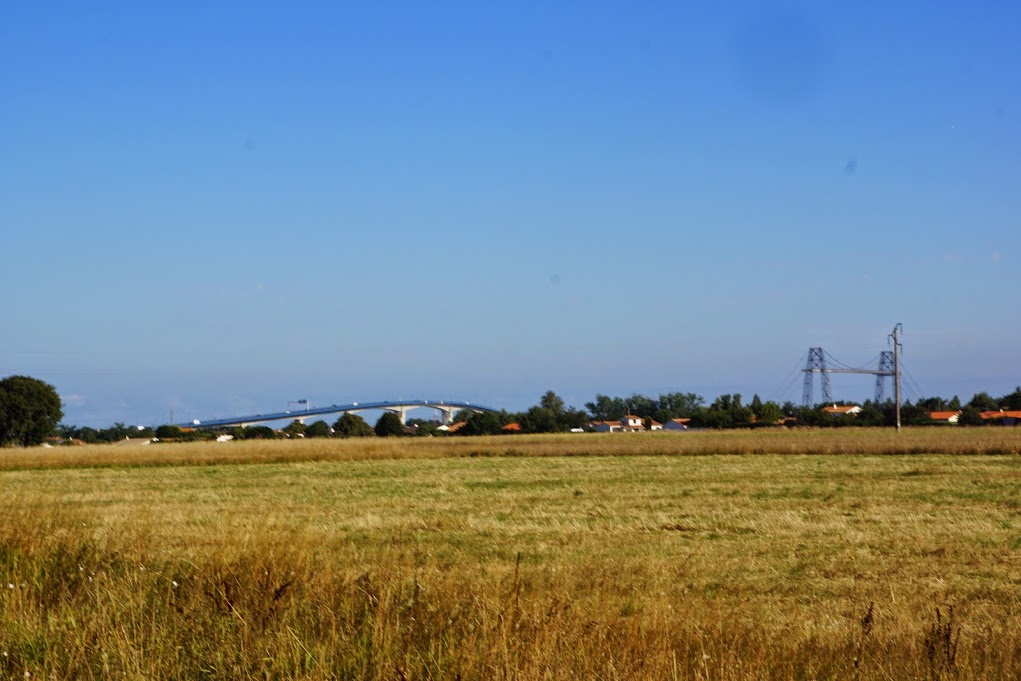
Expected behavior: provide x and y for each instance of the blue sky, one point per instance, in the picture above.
(219, 207)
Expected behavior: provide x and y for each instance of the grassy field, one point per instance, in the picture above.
(823, 554)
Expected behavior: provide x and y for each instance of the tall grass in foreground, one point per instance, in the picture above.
(865, 441)
(408, 559)
(81, 608)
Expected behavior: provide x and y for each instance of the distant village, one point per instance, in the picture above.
(671, 412)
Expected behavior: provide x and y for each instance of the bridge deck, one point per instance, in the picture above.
(439, 405)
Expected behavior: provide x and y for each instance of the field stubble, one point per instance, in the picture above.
(495, 558)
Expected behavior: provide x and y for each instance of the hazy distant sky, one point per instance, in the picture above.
(219, 207)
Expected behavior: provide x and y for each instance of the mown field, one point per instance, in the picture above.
(822, 554)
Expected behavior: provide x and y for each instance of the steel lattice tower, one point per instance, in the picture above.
(816, 364)
(885, 369)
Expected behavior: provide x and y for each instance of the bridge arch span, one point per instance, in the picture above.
(401, 407)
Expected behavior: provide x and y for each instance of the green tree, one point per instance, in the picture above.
(318, 429)
(295, 429)
(566, 418)
(463, 415)
(389, 425)
(768, 412)
(539, 420)
(984, 402)
(423, 427)
(168, 432)
(726, 411)
(88, 435)
(870, 415)
(679, 405)
(573, 418)
(145, 432)
(605, 408)
(484, 423)
(115, 433)
(553, 402)
(352, 425)
(1012, 401)
(914, 415)
(640, 405)
(253, 433)
(970, 416)
(30, 410)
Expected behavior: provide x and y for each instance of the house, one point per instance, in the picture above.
(605, 426)
(848, 410)
(512, 428)
(627, 424)
(1001, 417)
(676, 424)
(655, 425)
(948, 416)
(633, 423)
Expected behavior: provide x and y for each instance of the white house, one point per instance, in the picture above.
(628, 424)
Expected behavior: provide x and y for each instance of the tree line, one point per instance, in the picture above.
(31, 412)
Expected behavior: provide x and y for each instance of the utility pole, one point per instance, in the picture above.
(897, 330)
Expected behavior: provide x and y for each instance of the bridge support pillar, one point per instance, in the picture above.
(402, 412)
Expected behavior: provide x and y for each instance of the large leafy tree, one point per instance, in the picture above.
(484, 423)
(1012, 401)
(984, 402)
(318, 429)
(169, 432)
(389, 424)
(970, 416)
(295, 429)
(566, 418)
(726, 411)
(352, 425)
(539, 420)
(30, 410)
(606, 408)
(553, 402)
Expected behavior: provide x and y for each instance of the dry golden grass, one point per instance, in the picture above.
(809, 441)
(414, 560)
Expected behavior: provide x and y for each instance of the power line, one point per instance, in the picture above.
(789, 383)
(863, 367)
(885, 363)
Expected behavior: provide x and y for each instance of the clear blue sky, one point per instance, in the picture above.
(218, 207)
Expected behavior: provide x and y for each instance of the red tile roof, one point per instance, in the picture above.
(1001, 414)
(943, 415)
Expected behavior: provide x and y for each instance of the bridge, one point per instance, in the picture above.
(446, 409)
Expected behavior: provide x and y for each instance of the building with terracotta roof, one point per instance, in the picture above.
(605, 426)
(627, 424)
(1002, 417)
(676, 424)
(948, 416)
